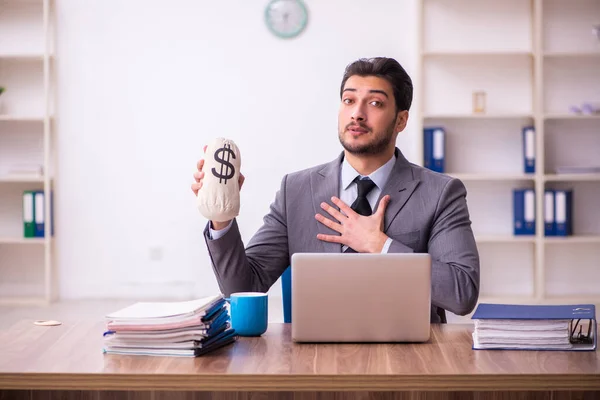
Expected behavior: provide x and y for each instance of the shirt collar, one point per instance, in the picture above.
(379, 176)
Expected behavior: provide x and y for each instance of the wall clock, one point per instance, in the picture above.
(286, 18)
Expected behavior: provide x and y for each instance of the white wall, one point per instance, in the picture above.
(143, 85)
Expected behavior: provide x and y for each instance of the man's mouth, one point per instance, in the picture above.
(357, 129)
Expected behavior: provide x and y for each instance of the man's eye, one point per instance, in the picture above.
(347, 101)
(376, 103)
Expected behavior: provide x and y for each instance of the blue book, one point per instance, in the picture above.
(529, 149)
(563, 203)
(523, 212)
(535, 327)
(434, 148)
(549, 213)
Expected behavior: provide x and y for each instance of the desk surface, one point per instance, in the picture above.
(69, 357)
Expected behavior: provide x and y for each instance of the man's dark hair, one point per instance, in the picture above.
(388, 69)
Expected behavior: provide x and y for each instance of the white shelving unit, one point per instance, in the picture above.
(533, 59)
(26, 140)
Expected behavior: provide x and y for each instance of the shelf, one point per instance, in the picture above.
(561, 54)
(492, 177)
(477, 54)
(504, 239)
(478, 116)
(475, 46)
(22, 118)
(21, 240)
(571, 116)
(24, 57)
(572, 239)
(21, 179)
(507, 299)
(572, 177)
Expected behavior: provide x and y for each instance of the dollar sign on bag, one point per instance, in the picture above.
(223, 156)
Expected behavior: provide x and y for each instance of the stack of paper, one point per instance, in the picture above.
(521, 334)
(535, 327)
(187, 328)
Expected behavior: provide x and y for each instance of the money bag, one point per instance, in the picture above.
(219, 197)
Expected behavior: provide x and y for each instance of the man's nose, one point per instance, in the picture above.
(358, 114)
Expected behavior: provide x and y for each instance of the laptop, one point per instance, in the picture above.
(360, 297)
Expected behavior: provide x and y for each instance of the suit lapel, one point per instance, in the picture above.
(400, 186)
(324, 184)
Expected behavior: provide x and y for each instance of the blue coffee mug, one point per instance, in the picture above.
(249, 313)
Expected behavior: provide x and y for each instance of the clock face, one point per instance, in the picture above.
(286, 18)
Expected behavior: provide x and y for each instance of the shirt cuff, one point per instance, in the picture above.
(386, 246)
(215, 235)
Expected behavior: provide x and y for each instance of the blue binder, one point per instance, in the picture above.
(529, 149)
(563, 203)
(434, 148)
(41, 216)
(549, 213)
(523, 212)
(573, 312)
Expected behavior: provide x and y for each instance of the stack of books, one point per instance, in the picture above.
(535, 327)
(187, 328)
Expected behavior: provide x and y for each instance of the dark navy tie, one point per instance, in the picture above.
(361, 204)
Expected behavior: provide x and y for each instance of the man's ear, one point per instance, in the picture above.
(401, 120)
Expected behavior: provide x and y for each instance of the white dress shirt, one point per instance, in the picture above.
(348, 193)
(349, 188)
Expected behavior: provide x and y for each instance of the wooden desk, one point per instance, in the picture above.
(36, 360)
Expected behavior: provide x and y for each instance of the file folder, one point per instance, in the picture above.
(434, 148)
(549, 213)
(41, 216)
(563, 202)
(524, 212)
(28, 214)
(536, 318)
(529, 149)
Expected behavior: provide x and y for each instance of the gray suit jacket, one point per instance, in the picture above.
(427, 214)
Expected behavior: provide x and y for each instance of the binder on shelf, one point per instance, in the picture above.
(40, 215)
(28, 214)
(524, 212)
(563, 203)
(434, 139)
(549, 213)
(535, 327)
(529, 149)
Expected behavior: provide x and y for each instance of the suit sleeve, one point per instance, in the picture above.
(455, 259)
(258, 266)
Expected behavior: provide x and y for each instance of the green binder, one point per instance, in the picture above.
(28, 214)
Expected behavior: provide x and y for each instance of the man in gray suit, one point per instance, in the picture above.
(370, 199)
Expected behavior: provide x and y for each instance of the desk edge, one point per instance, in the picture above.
(272, 382)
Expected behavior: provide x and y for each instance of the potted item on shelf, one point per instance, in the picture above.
(1, 91)
(479, 102)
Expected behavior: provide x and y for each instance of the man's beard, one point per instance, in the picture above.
(381, 143)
